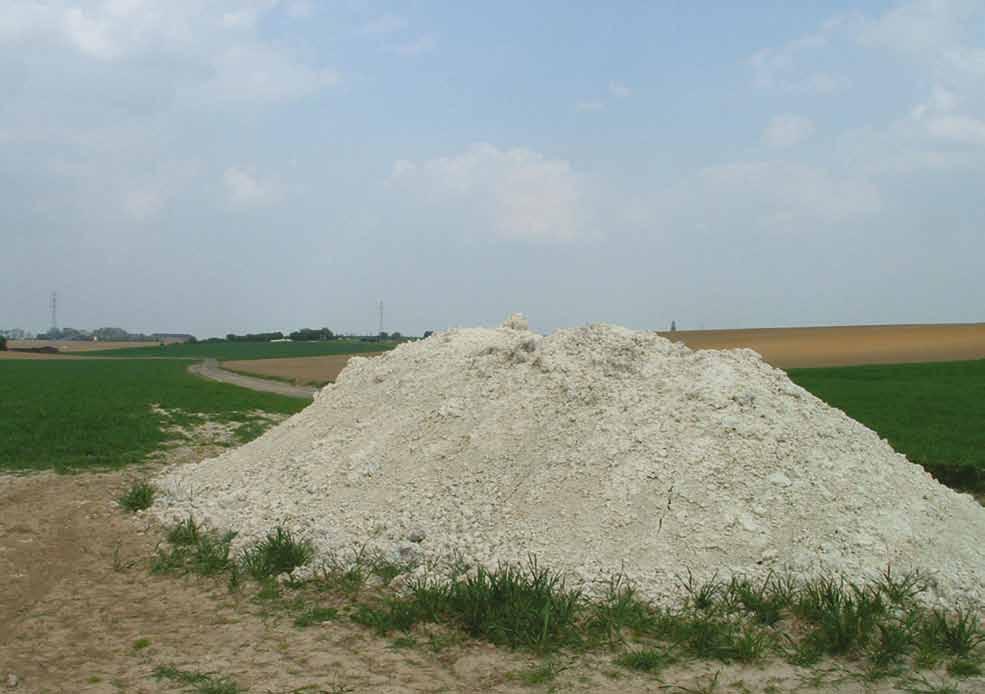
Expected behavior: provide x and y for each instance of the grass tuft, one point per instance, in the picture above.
(315, 615)
(650, 660)
(138, 497)
(278, 553)
(185, 533)
(200, 682)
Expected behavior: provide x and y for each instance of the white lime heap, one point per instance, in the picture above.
(598, 450)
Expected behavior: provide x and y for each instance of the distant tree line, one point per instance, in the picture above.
(108, 335)
(255, 337)
(308, 335)
(3, 344)
(311, 334)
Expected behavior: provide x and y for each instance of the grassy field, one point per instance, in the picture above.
(934, 413)
(248, 350)
(80, 414)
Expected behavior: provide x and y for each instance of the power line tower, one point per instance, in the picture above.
(381, 318)
(54, 311)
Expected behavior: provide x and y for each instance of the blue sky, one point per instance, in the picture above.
(230, 166)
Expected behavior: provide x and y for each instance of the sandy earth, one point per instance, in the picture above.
(77, 596)
(880, 344)
(210, 369)
(301, 370)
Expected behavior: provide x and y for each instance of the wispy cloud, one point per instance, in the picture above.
(244, 188)
(511, 193)
(618, 89)
(385, 24)
(787, 130)
(418, 46)
(589, 105)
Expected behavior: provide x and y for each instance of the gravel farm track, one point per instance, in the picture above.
(80, 612)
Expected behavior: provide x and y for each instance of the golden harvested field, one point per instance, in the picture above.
(300, 370)
(69, 346)
(781, 347)
(842, 346)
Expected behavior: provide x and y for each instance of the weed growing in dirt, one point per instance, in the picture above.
(957, 635)
(138, 497)
(185, 533)
(315, 615)
(651, 660)
(195, 550)
(881, 627)
(517, 606)
(961, 667)
(200, 682)
(278, 553)
(541, 674)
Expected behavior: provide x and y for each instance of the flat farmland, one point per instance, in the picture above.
(845, 346)
(70, 346)
(316, 371)
(226, 351)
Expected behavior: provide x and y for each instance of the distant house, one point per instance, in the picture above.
(171, 338)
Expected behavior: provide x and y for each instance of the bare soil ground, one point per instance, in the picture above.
(80, 612)
(300, 370)
(842, 346)
(210, 369)
(782, 347)
(79, 345)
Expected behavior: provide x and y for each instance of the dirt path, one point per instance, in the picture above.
(210, 369)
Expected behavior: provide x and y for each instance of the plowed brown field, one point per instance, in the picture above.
(782, 347)
(300, 370)
(842, 346)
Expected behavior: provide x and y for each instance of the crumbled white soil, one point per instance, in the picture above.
(597, 450)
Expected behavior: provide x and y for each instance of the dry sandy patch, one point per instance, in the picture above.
(300, 370)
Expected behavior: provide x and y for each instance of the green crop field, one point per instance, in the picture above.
(228, 351)
(79, 414)
(934, 413)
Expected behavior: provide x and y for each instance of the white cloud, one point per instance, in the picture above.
(963, 129)
(144, 204)
(240, 19)
(779, 196)
(942, 121)
(243, 65)
(261, 73)
(937, 34)
(245, 189)
(589, 105)
(510, 193)
(300, 8)
(783, 68)
(619, 89)
(419, 46)
(787, 130)
(90, 35)
(385, 24)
